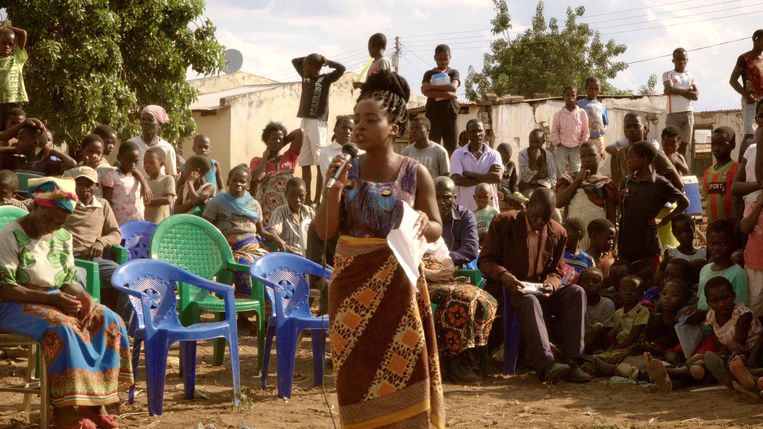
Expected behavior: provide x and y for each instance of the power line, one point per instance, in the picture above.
(412, 64)
(685, 23)
(641, 8)
(416, 55)
(414, 36)
(619, 25)
(658, 13)
(690, 50)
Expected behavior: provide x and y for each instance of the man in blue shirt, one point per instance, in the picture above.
(459, 227)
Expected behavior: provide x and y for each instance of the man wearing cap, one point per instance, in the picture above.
(94, 227)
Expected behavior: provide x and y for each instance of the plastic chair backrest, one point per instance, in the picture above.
(136, 236)
(285, 272)
(9, 214)
(155, 280)
(195, 245)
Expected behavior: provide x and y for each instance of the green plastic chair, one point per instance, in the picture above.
(9, 214)
(194, 244)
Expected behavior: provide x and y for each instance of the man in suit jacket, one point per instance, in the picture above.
(527, 246)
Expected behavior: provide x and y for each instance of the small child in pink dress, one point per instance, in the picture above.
(120, 187)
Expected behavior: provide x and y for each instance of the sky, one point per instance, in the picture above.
(269, 33)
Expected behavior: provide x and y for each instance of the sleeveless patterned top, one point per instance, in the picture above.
(372, 210)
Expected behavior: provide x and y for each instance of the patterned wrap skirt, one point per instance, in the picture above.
(87, 365)
(383, 341)
(464, 316)
(271, 193)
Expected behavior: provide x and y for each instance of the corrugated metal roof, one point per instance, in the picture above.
(422, 109)
(216, 100)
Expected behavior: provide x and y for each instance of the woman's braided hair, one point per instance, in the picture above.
(392, 91)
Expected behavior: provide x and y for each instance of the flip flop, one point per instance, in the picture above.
(659, 376)
(717, 367)
(105, 421)
(742, 374)
(83, 423)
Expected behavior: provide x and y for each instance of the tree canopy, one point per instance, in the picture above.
(545, 58)
(99, 61)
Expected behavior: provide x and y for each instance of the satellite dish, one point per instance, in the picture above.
(233, 60)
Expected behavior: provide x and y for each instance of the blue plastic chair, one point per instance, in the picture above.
(136, 236)
(151, 287)
(283, 275)
(510, 336)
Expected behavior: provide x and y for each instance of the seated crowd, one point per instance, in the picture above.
(596, 287)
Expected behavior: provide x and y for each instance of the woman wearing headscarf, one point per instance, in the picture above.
(84, 343)
(152, 117)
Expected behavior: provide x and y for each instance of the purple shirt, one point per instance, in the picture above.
(463, 160)
(459, 230)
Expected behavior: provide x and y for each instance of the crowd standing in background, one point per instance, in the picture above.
(603, 271)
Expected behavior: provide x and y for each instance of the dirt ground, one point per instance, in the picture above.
(499, 402)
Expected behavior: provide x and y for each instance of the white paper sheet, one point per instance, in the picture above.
(406, 247)
(532, 288)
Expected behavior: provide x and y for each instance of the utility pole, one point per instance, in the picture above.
(396, 54)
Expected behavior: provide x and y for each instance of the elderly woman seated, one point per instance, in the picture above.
(84, 343)
(465, 313)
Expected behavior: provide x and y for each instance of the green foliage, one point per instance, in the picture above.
(99, 61)
(650, 86)
(545, 58)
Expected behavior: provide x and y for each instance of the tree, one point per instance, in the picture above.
(99, 61)
(544, 58)
(651, 84)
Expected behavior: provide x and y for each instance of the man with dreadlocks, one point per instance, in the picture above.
(382, 334)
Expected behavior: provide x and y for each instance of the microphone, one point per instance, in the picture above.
(350, 152)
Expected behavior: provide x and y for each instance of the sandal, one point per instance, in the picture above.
(659, 376)
(741, 373)
(105, 421)
(83, 423)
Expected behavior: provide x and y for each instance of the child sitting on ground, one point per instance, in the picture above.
(483, 196)
(600, 311)
(629, 325)
(601, 244)
(649, 283)
(9, 183)
(619, 269)
(238, 216)
(721, 242)
(661, 338)
(289, 222)
(162, 186)
(193, 190)
(120, 187)
(202, 145)
(684, 230)
(575, 260)
(736, 330)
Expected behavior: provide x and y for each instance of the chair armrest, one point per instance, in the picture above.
(225, 291)
(93, 282)
(119, 254)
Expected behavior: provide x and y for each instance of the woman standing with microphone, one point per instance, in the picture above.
(382, 334)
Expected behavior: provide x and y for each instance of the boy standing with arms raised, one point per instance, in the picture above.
(314, 111)
(440, 85)
(681, 89)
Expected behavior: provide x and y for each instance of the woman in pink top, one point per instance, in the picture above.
(269, 178)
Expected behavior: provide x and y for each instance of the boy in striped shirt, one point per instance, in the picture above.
(716, 184)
